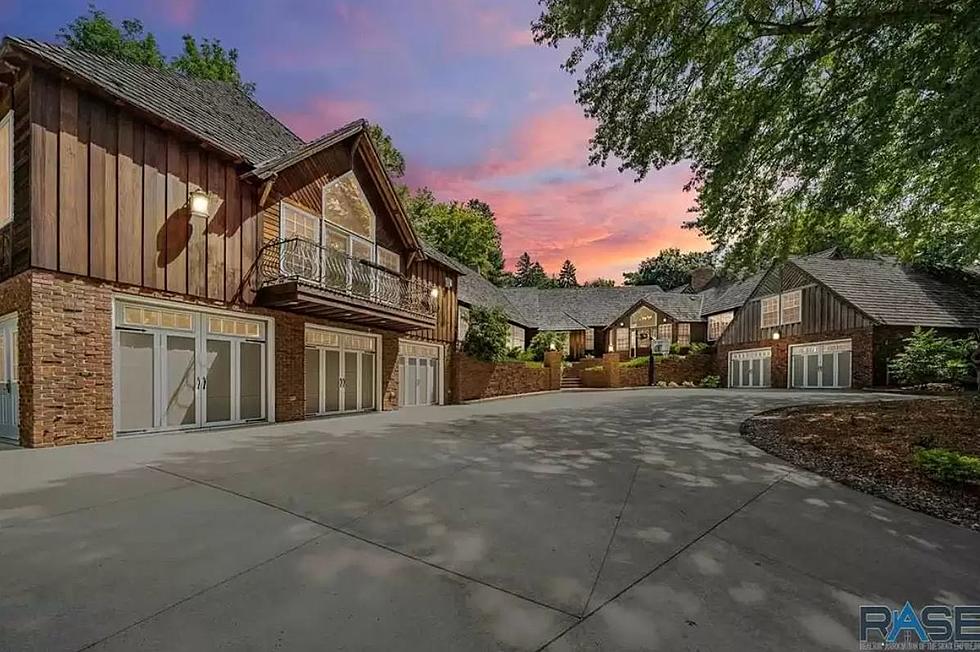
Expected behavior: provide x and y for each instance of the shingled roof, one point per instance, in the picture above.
(728, 294)
(217, 113)
(900, 295)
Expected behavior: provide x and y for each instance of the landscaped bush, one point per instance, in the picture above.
(931, 358)
(710, 382)
(697, 347)
(487, 336)
(546, 341)
(677, 349)
(948, 467)
(642, 361)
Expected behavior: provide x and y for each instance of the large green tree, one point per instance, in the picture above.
(530, 273)
(392, 159)
(96, 32)
(456, 230)
(805, 121)
(670, 268)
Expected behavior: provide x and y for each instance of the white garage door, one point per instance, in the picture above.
(751, 368)
(821, 365)
(419, 374)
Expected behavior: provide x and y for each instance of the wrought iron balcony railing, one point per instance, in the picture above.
(306, 262)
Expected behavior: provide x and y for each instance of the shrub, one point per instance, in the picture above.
(710, 382)
(930, 358)
(546, 341)
(678, 349)
(698, 347)
(487, 336)
(948, 467)
(642, 361)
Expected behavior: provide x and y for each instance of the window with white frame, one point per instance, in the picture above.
(590, 339)
(516, 340)
(683, 334)
(7, 168)
(622, 339)
(770, 311)
(463, 322)
(718, 323)
(791, 308)
(665, 332)
(297, 223)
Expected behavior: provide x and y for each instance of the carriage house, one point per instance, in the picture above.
(173, 257)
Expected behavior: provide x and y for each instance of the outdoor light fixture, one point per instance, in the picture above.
(552, 346)
(434, 293)
(776, 335)
(200, 203)
(610, 347)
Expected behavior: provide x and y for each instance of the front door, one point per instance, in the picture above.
(9, 385)
(178, 369)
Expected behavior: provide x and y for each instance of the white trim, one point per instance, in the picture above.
(732, 354)
(9, 119)
(360, 190)
(836, 385)
(270, 348)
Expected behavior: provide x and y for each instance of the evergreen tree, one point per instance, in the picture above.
(566, 277)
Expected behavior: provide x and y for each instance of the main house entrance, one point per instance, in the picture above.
(341, 371)
(182, 368)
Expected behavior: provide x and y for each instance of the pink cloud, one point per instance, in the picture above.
(323, 114)
(600, 219)
(176, 12)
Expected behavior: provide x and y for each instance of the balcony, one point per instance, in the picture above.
(303, 276)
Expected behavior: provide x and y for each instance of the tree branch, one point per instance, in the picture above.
(834, 23)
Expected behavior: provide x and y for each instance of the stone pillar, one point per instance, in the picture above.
(552, 361)
(610, 365)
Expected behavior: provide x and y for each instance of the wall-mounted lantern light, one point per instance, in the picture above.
(776, 335)
(200, 203)
(552, 346)
(434, 293)
(610, 347)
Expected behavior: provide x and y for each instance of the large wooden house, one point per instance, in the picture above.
(173, 257)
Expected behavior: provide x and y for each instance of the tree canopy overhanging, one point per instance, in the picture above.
(806, 122)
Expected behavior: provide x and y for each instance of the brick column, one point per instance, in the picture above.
(290, 367)
(552, 361)
(610, 365)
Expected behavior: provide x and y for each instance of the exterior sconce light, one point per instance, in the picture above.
(552, 346)
(200, 203)
(434, 293)
(610, 347)
(776, 335)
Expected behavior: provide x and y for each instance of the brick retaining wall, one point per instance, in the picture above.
(476, 379)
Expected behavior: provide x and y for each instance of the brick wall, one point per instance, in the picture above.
(476, 379)
(862, 355)
(671, 369)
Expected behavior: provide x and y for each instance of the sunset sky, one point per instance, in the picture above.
(476, 107)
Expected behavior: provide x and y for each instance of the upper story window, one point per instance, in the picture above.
(792, 303)
(345, 205)
(7, 168)
(779, 309)
(770, 311)
(718, 323)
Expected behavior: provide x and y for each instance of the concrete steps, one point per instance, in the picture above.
(570, 382)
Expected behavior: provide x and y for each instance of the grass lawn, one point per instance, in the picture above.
(872, 446)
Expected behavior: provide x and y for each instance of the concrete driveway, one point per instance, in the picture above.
(630, 520)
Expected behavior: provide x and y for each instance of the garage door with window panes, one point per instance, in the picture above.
(186, 369)
(341, 372)
(821, 365)
(750, 368)
(419, 373)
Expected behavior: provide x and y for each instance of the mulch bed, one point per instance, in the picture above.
(869, 446)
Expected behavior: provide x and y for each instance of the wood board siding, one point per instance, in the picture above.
(108, 199)
(446, 315)
(15, 237)
(822, 311)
